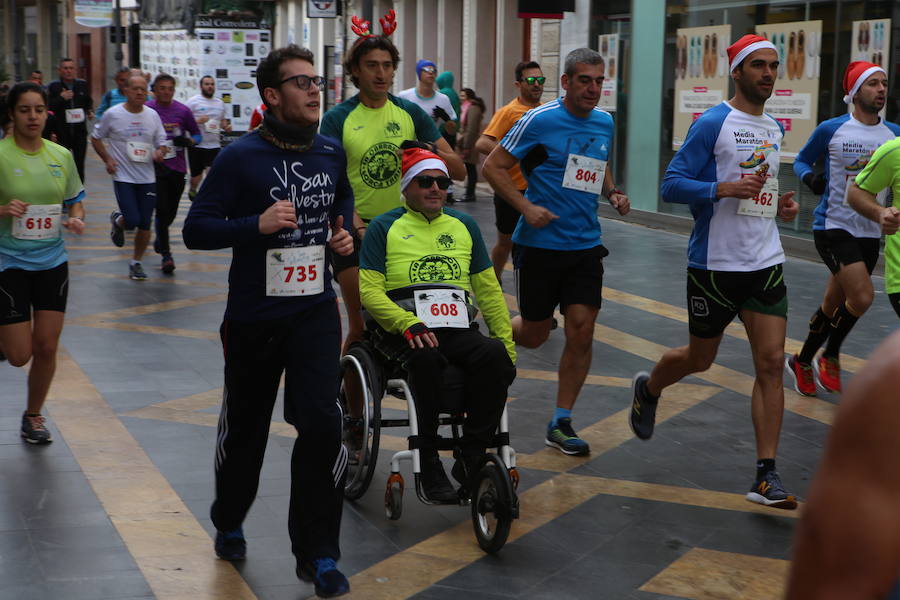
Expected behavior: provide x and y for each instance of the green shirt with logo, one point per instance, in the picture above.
(371, 137)
(883, 171)
(402, 248)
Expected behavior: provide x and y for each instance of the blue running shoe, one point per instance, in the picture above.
(769, 491)
(231, 545)
(561, 436)
(324, 574)
(643, 407)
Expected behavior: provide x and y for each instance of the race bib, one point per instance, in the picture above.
(584, 174)
(40, 222)
(442, 308)
(74, 115)
(139, 152)
(212, 126)
(764, 204)
(170, 150)
(295, 271)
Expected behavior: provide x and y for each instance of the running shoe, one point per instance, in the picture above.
(759, 155)
(323, 572)
(34, 430)
(168, 264)
(117, 233)
(231, 545)
(136, 272)
(769, 492)
(643, 407)
(561, 436)
(804, 382)
(828, 373)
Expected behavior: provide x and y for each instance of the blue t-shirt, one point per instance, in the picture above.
(246, 178)
(542, 141)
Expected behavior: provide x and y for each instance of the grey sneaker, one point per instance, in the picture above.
(770, 492)
(136, 272)
(117, 233)
(34, 430)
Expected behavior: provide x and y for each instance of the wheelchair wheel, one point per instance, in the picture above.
(360, 434)
(492, 506)
(393, 497)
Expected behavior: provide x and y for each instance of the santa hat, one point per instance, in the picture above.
(856, 74)
(746, 46)
(416, 160)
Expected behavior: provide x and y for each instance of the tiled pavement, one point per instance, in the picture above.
(117, 506)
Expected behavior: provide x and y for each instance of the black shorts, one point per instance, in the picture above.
(838, 248)
(547, 278)
(23, 291)
(715, 297)
(339, 263)
(201, 159)
(505, 216)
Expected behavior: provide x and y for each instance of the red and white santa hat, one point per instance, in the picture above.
(416, 160)
(856, 74)
(746, 46)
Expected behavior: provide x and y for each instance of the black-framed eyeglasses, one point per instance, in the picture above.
(426, 181)
(534, 80)
(303, 81)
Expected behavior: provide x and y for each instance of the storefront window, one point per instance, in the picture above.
(814, 41)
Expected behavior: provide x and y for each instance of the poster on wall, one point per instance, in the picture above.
(871, 42)
(795, 99)
(321, 9)
(701, 75)
(93, 13)
(228, 50)
(608, 46)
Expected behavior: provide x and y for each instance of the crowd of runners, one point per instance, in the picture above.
(359, 195)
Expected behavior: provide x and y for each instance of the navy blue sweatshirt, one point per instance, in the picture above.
(247, 177)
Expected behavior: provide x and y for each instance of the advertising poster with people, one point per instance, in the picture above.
(795, 99)
(227, 49)
(701, 75)
(608, 46)
(871, 42)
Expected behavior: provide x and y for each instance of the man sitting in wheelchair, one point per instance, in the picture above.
(418, 265)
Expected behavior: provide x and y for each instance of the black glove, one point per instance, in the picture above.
(415, 330)
(407, 144)
(183, 142)
(815, 182)
(440, 113)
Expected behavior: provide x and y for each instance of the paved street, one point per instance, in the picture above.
(118, 506)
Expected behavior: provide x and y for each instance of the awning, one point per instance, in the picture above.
(545, 9)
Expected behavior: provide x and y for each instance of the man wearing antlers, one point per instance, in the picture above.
(372, 125)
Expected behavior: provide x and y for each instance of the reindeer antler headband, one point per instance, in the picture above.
(388, 25)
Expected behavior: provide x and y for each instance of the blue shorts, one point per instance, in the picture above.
(136, 202)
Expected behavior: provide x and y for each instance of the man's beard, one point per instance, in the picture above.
(205, 95)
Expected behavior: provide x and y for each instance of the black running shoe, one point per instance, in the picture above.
(117, 233)
(168, 264)
(643, 407)
(34, 430)
(231, 545)
(768, 491)
(323, 572)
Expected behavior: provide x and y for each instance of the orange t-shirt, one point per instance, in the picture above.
(502, 122)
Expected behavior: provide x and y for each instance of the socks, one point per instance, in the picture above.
(818, 333)
(135, 262)
(841, 324)
(561, 413)
(763, 466)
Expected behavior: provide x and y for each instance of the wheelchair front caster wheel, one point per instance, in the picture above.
(393, 497)
(492, 508)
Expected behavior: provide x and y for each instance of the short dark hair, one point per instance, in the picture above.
(65, 59)
(39, 72)
(162, 77)
(268, 73)
(363, 46)
(122, 69)
(207, 77)
(19, 90)
(525, 65)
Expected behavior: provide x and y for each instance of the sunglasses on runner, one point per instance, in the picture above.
(429, 69)
(426, 181)
(303, 81)
(534, 80)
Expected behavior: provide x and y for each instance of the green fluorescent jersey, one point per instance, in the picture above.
(883, 171)
(371, 138)
(403, 248)
(47, 176)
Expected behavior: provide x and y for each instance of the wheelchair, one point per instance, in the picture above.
(368, 375)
